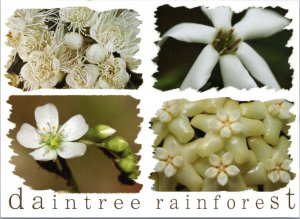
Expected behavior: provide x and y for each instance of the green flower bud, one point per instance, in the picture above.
(126, 164)
(99, 132)
(117, 144)
(134, 175)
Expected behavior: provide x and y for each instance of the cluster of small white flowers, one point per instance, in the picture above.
(74, 47)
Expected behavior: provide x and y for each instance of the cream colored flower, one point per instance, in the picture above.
(170, 110)
(41, 71)
(278, 168)
(113, 74)
(117, 32)
(83, 76)
(280, 109)
(227, 123)
(221, 168)
(169, 159)
(78, 17)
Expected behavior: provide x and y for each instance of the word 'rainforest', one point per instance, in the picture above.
(216, 201)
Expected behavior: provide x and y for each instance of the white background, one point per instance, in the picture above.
(151, 100)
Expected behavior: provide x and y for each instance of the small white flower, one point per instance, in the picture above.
(41, 70)
(49, 139)
(225, 43)
(83, 76)
(280, 109)
(79, 18)
(117, 32)
(169, 160)
(221, 168)
(278, 168)
(96, 53)
(227, 123)
(170, 110)
(113, 74)
(73, 40)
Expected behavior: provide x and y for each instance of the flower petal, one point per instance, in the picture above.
(177, 161)
(44, 154)
(270, 165)
(214, 160)
(286, 164)
(222, 179)
(161, 153)
(46, 118)
(170, 170)
(273, 176)
(236, 127)
(234, 115)
(201, 69)
(222, 115)
(258, 23)
(164, 116)
(234, 73)
(71, 149)
(211, 172)
(190, 33)
(225, 132)
(28, 137)
(232, 170)
(160, 166)
(74, 128)
(256, 65)
(219, 16)
(216, 125)
(227, 158)
(284, 176)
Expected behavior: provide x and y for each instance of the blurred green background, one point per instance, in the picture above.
(94, 172)
(176, 58)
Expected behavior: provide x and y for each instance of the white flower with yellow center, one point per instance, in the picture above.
(79, 18)
(169, 158)
(280, 109)
(227, 123)
(49, 139)
(221, 168)
(278, 168)
(170, 110)
(117, 32)
(41, 71)
(226, 44)
(113, 74)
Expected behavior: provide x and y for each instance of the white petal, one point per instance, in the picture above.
(201, 69)
(44, 154)
(191, 33)
(273, 176)
(232, 170)
(216, 125)
(170, 170)
(227, 158)
(211, 172)
(28, 137)
(234, 73)
(222, 115)
(225, 132)
(160, 166)
(214, 160)
(286, 164)
(284, 114)
(71, 149)
(164, 116)
(234, 115)
(46, 118)
(177, 161)
(219, 16)
(258, 23)
(236, 127)
(270, 165)
(222, 179)
(256, 65)
(284, 176)
(161, 153)
(74, 128)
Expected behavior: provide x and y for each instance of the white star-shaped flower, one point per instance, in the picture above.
(169, 159)
(226, 45)
(170, 110)
(49, 139)
(280, 109)
(221, 168)
(227, 123)
(278, 168)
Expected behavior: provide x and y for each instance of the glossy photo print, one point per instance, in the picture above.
(221, 144)
(76, 144)
(205, 47)
(74, 47)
